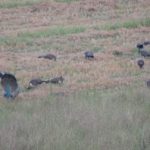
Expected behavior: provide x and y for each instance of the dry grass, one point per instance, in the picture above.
(73, 115)
(25, 33)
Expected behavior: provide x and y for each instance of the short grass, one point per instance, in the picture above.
(28, 38)
(130, 24)
(25, 3)
(17, 3)
(66, 1)
(88, 120)
(53, 31)
(103, 103)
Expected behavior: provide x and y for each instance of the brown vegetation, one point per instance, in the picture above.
(20, 56)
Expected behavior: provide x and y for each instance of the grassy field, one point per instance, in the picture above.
(92, 119)
(103, 104)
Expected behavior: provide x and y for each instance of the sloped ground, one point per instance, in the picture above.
(20, 49)
(103, 103)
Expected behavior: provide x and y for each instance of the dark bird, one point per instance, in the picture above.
(140, 46)
(146, 43)
(142, 51)
(9, 85)
(57, 80)
(148, 83)
(35, 82)
(48, 56)
(140, 63)
(89, 55)
(145, 53)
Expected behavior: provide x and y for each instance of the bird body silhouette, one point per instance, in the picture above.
(89, 55)
(148, 83)
(35, 82)
(146, 43)
(142, 51)
(145, 53)
(57, 80)
(140, 46)
(140, 63)
(48, 56)
(9, 85)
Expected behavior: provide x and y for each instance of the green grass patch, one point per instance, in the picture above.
(128, 24)
(14, 41)
(54, 31)
(135, 52)
(66, 1)
(97, 49)
(17, 3)
(22, 3)
(28, 38)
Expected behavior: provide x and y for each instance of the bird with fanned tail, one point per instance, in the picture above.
(9, 85)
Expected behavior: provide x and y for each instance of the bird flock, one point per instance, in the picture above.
(35, 82)
(11, 88)
(145, 54)
(10, 85)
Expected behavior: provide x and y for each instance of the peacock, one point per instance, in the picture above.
(9, 85)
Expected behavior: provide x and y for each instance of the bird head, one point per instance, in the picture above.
(139, 46)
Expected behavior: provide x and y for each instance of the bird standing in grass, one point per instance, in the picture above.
(148, 83)
(9, 85)
(48, 56)
(146, 43)
(142, 51)
(139, 46)
(89, 55)
(57, 80)
(140, 63)
(35, 82)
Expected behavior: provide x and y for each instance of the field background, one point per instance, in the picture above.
(104, 104)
